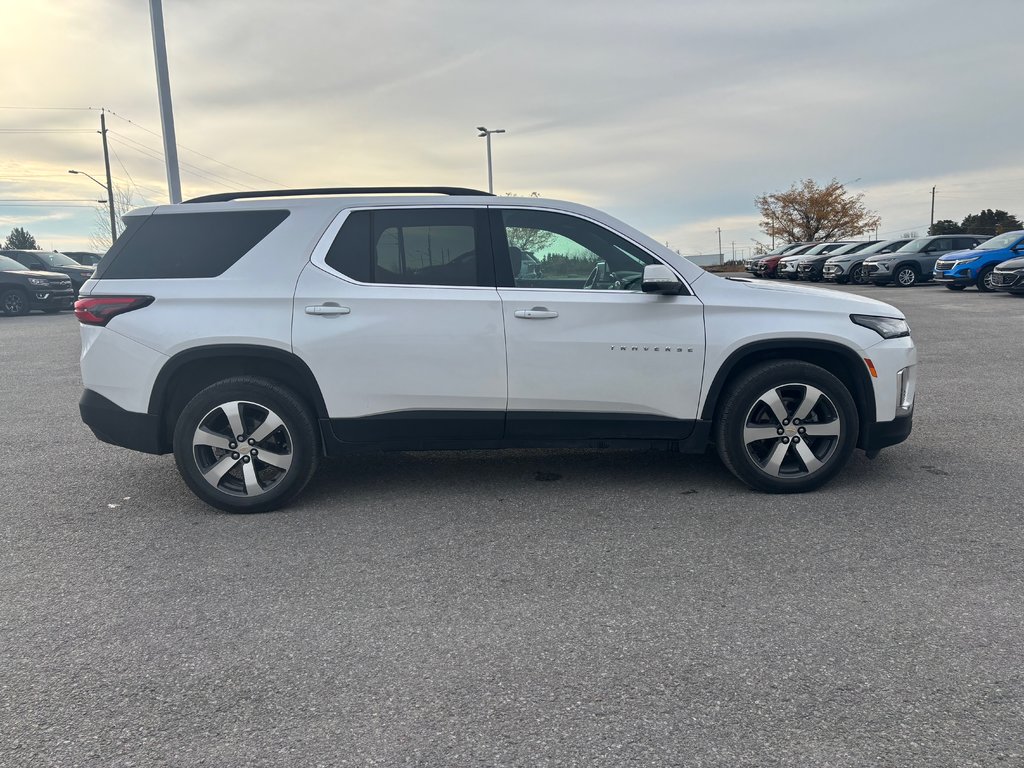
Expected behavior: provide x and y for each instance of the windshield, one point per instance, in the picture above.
(58, 259)
(999, 242)
(915, 246)
(850, 248)
(8, 264)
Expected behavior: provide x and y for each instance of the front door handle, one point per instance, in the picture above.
(327, 310)
(537, 313)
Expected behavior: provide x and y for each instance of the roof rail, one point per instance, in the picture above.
(225, 196)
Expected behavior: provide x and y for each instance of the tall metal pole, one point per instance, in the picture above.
(490, 170)
(932, 224)
(110, 184)
(163, 85)
(721, 256)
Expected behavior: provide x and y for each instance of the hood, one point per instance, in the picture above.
(36, 273)
(1012, 264)
(792, 295)
(954, 255)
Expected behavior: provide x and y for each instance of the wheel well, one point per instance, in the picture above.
(912, 264)
(186, 375)
(841, 362)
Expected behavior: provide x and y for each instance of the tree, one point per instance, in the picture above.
(808, 212)
(527, 240)
(990, 222)
(21, 240)
(945, 227)
(125, 199)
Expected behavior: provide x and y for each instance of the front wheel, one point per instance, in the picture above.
(905, 277)
(985, 281)
(246, 444)
(786, 427)
(14, 302)
(858, 276)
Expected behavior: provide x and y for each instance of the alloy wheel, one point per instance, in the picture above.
(857, 276)
(242, 448)
(792, 430)
(906, 277)
(14, 303)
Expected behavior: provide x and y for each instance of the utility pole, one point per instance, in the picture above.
(773, 231)
(110, 184)
(734, 250)
(932, 223)
(721, 256)
(163, 86)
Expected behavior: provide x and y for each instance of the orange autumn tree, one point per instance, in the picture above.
(806, 212)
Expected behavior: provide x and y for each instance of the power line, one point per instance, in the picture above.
(45, 130)
(182, 163)
(64, 109)
(197, 152)
(153, 154)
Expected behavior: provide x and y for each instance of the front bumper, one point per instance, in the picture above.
(882, 434)
(49, 298)
(945, 278)
(113, 424)
(1011, 282)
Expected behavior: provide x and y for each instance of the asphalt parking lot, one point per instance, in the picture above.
(530, 608)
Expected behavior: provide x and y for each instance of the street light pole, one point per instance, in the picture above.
(110, 197)
(163, 86)
(484, 133)
(110, 183)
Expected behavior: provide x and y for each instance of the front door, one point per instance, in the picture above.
(589, 354)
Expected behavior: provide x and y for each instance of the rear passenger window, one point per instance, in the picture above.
(413, 247)
(186, 245)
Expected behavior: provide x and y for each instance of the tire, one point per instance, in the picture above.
(777, 463)
(955, 287)
(239, 480)
(984, 281)
(905, 276)
(14, 302)
(857, 275)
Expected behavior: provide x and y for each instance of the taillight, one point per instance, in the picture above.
(98, 310)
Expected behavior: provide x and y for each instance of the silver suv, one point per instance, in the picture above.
(914, 262)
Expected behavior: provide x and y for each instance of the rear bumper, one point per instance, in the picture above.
(882, 434)
(113, 424)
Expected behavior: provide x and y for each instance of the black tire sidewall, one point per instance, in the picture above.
(741, 396)
(305, 442)
(981, 280)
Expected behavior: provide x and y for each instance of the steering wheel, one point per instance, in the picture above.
(628, 284)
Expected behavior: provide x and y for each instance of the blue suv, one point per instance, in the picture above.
(960, 269)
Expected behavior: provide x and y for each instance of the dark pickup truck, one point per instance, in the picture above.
(23, 289)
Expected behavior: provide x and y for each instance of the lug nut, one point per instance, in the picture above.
(785, 440)
(796, 421)
(254, 452)
(785, 422)
(796, 439)
(235, 456)
(781, 431)
(801, 430)
(241, 438)
(245, 459)
(251, 441)
(232, 445)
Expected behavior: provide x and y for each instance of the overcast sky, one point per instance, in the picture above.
(670, 115)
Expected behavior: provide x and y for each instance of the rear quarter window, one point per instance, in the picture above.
(185, 245)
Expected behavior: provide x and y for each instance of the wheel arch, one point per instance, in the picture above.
(842, 361)
(190, 371)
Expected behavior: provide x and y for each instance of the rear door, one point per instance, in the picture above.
(400, 321)
(589, 354)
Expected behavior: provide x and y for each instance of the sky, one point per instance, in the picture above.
(671, 115)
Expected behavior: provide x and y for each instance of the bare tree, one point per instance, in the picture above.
(126, 198)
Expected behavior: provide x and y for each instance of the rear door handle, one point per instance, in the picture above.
(537, 313)
(327, 310)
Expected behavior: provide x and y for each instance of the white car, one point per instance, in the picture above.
(252, 333)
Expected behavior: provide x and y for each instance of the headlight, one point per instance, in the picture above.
(886, 327)
(38, 281)
(967, 260)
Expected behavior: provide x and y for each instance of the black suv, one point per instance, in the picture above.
(86, 258)
(23, 289)
(811, 267)
(51, 261)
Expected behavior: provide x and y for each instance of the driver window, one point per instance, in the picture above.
(556, 250)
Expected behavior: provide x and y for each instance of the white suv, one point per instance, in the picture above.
(252, 333)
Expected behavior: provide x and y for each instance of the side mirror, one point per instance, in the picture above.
(658, 278)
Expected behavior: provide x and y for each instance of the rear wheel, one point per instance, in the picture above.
(786, 427)
(246, 444)
(858, 276)
(985, 281)
(905, 277)
(14, 302)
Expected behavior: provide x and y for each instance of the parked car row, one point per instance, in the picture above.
(43, 280)
(956, 261)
